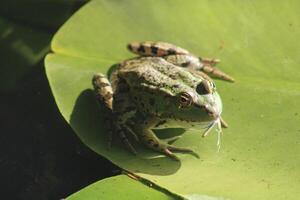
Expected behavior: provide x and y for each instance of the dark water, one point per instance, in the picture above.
(40, 156)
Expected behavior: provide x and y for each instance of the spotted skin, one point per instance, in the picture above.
(103, 90)
(165, 87)
(155, 49)
(179, 56)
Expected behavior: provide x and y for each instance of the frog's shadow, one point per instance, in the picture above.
(87, 119)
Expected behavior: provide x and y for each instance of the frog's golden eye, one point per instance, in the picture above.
(204, 88)
(185, 99)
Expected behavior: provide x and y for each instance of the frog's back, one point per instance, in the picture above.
(154, 71)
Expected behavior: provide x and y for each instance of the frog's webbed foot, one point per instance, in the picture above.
(183, 150)
(169, 149)
(210, 69)
(150, 140)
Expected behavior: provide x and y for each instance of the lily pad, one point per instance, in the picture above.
(118, 187)
(257, 43)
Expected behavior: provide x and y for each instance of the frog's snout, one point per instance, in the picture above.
(211, 112)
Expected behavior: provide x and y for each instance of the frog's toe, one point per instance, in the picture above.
(183, 150)
(126, 142)
(217, 73)
(130, 147)
(130, 131)
(168, 153)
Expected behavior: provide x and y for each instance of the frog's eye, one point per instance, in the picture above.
(204, 88)
(185, 99)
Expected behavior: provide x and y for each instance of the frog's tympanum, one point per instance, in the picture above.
(165, 87)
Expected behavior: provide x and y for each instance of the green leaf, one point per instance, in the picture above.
(257, 43)
(118, 187)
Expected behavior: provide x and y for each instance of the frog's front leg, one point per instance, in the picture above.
(121, 130)
(123, 109)
(148, 137)
(104, 96)
(103, 90)
(115, 116)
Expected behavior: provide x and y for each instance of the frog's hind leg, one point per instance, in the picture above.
(205, 65)
(159, 49)
(215, 72)
(210, 69)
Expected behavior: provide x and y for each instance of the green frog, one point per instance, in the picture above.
(165, 87)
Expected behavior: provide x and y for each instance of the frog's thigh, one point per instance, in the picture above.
(159, 49)
(186, 61)
(193, 63)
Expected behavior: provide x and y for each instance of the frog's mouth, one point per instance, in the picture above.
(212, 113)
(212, 107)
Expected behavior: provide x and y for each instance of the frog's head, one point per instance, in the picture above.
(197, 105)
